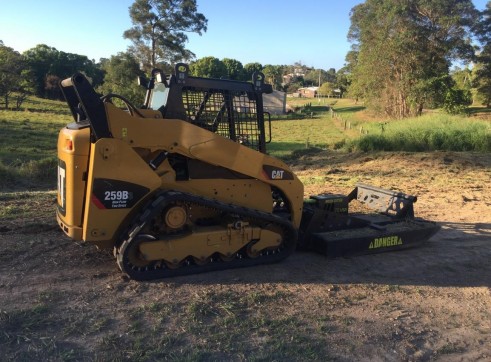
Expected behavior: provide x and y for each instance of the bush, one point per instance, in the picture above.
(457, 100)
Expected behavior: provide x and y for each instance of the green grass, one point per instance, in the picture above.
(14, 205)
(430, 132)
(28, 141)
(325, 130)
(289, 136)
(351, 129)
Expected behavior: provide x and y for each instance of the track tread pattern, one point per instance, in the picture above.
(158, 271)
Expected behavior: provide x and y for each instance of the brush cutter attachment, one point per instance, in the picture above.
(383, 221)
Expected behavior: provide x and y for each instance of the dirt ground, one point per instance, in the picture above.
(61, 300)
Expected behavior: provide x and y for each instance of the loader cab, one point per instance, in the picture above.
(232, 109)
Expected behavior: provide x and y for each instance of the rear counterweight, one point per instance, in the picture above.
(73, 156)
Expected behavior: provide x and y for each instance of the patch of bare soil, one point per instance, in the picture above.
(62, 300)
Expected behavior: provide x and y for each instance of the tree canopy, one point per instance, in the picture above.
(483, 66)
(159, 30)
(274, 75)
(250, 68)
(49, 65)
(404, 48)
(121, 73)
(208, 67)
(14, 76)
(235, 69)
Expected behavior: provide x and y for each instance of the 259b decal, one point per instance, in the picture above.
(116, 194)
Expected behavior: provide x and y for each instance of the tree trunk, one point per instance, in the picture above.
(20, 99)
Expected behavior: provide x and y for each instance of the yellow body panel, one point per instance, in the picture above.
(176, 136)
(113, 159)
(73, 155)
(125, 157)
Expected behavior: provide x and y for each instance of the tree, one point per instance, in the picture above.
(401, 47)
(326, 89)
(482, 69)
(483, 79)
(41, 59)
(457, 100)
(274, 75)
(121, 73)
(159, 30)
(463, 78)
(250, 69)
(47, 62)
(343, 80)
(52, 88)
(294, 86)
(208, 67)
(14, 78)
(235, 69)
(314, 77)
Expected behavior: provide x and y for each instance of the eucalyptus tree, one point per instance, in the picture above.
(159, 30)
(482, 69)
(404, 48)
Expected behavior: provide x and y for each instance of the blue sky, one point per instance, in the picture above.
(267, 31)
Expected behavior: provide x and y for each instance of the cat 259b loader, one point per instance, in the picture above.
(183, 183)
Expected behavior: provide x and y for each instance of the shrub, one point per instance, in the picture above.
(456, 101)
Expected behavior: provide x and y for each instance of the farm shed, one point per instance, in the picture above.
(308, 92)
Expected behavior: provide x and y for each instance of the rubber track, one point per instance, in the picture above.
(163, 199)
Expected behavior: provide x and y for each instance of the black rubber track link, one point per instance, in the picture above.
(156, 270)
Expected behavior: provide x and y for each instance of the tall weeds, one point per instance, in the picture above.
(428, 133)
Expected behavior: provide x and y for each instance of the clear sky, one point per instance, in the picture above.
(267, 31)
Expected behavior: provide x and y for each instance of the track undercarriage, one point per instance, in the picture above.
(179, 234)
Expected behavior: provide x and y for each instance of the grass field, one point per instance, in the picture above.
(351, 128)
(28, 142)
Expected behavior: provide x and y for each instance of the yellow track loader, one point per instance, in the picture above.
(183, 183)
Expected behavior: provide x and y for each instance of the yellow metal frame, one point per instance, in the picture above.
(135, 141)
